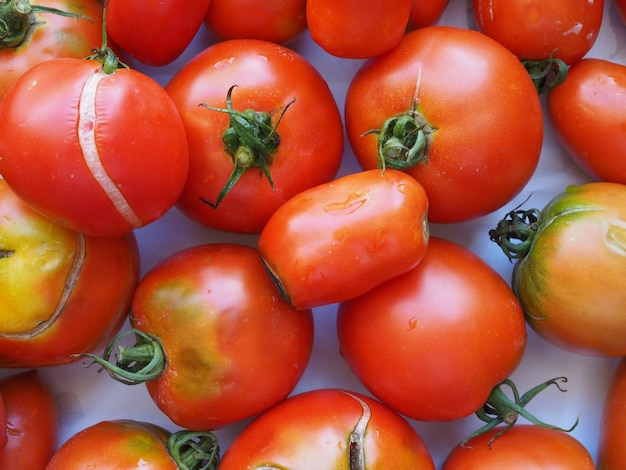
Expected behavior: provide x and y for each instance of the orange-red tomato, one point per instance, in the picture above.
(426, 12)
(611, 448)
(620, 6)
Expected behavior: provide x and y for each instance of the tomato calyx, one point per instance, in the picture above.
(194, 450)
(547, 73)
(514, 234)
(500, 409)
(251, 141)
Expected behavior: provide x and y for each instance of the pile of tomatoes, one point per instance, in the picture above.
(361, 235)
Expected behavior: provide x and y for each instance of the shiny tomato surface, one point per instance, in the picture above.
(611, 449)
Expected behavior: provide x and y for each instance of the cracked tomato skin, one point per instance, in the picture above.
(611, 449)
(314, 430)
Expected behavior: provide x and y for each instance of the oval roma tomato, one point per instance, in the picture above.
(38, 35)
(570, 271)
(276, 133)
(338, 240)
(357, 29)
(426, 12)
(611, 449)
(155, 32)
(451, 313)
(32, 422)
(522, 447)
(328, 428)
(96, 150)
(63, 293)
(472, 143)
(588, 112)
(276, 21)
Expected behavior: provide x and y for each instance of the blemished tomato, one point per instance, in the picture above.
(472, 143)
(277, 21)
(155, 32)
(451, 313)
(611, 450)
(588, 112)
(576, 302)
(63, 293)
(338, 240)
(284, 133)
(328, 428)
(46, 35)
(232, 347)
(32, 422)
(96, 149)
(357, 29)
(522, 447)
(426, 12)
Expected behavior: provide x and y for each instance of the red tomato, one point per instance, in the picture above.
(278, 21)
(357, 29)
(592, 102)
(328, 429)
(32, 422)
(63, 293)
(339, 240)
(451, 313)
(620, 6)
(522, 447)
(611, 449)
(472, 143)
(46, 35)
(98, 151)
(426, 12)
(155, 32)
(301, 149)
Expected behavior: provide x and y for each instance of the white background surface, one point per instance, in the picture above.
(87, 397)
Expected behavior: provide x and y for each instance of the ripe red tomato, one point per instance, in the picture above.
(592, 102)
(357, 29)
(155, 32)
(328, 428)
(522, 447)
(451, 313)
(620, 6)
(63, 293)
(32, 422)
(611, 449)
(277, 21)
(300, 143)
(426, 12)
(338, 240)
(472, 143)
(98, 151)
(39, 36)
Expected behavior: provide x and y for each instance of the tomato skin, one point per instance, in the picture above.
(32, 422)
(558, 291)
(620, 7)
(452, 301)
(357, 29)
(522, 447)
(155, 32)
(124, 172)
(426, 12)
(611, 450)
(587, 113)
(488, 128)
(216, 311)
(338, 240)
(115, 444)
(311, 131)
(312, 430)
(534, 29)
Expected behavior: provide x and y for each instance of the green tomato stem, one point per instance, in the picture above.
(515, 233)
(546, 74)
(194, 450)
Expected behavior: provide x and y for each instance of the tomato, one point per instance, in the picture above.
(154, 32)
(338, 240)
(522, 447)
(611, 449)
(131, 444)
(472, 143)
(276, 21)
(236, 187)
(99, 151)
(426, 12)
(357, 29)
(451, 302)
(328, 428)
(63, 293)
(32, 422)
(40, 35)
(587, 113)
(232, 347)
(576, 302)
(620, 7)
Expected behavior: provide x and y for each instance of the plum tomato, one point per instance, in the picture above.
(611, 450)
